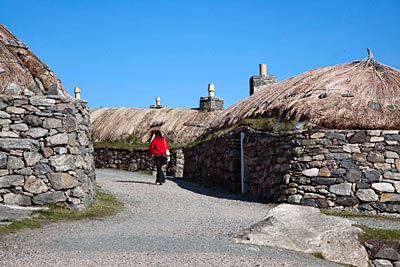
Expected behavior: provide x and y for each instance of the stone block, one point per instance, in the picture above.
(15, 163)
(347, 201)
(383, 187)
(375, 157)
(392, 176)
(367, 195)
(358, 137)
(343, 189)
(35, 185)
(313, 172)
(390, 197)
(391, 155)
(62, 181)
(353, 175)
(351, 148)
(49, 198)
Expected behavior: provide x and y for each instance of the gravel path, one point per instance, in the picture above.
(176, 224)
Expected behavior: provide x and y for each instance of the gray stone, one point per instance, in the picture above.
(390, 197)
(15, 110)
(351, 148)
(66, 108)
(35, 185)
(62, 162)
(49, 198)
(28, 92)
(37, 132)
(47, 152)
(58, 139)
(397, 186)
(52, 123)
(83, 139)
(323, 181)
(338, 156)
(348, 164)
(42, 101)
(313, 172)
(31, 158)
(33, 120)
(4, 115)
(358, 137)
(14, 163)
(382, 263)
(339, 172)
(41, 169)
(347, 201)
(375, 157)
(12, 89)
(371, 176)
(61, 150)
(353, 175)
(54, 90)
(392, 175)
(394, 137)
(5, 122)
(10, 214)
(387, 207)
(11, 180)
(17, 199)
(367, 195)
(305, 229)
(3, 160)
(294, 199)
(22, 127)
(24, 171)
(69, 123)
(61, 181)
(335, 136)
(343, 189)
(391, 155)
(383, 187)
(8, 134)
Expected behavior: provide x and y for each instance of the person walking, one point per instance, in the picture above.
(158, 147)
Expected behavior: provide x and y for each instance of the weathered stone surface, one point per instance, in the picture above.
(37, 132)
(52, 123)
(11, 180)
(15, 110)
(8, 213)
(8, 134)
(313, 172)
(323, 181)
(351, 148)
(21, 127)
(324, 172)
(24, 171)
(382, 166)
(394, 137)
(306, 229)
(62, 162)
(12, 89)
(317, 135)
(388, 253)
(397, 186)
(371, 176)
(353, 175)
(61, 181)
(392, 176)
(31, 158)
(358, 137)
(58, 139)
(4, 115)
(83, 139)
(391, 155)
(47, 152)
(7, 144)
(397, 164)
(3, 160)
(387, 207)
(382, 263)
(390, 197)
(15, 163)
(375, 157)
(375, 139)
(41, 169)
(69, 123)
(367, 195)
(294, 199)
(338, 156)
(35, 185)
(343, 189)
(33, 120)
(41, 101)
(339, 172)
(49, 197)
(17, 199)
(383, 187)
(347, 201)
(348, 164)
(54, 90)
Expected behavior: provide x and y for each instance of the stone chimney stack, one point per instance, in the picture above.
(77, 91)
(259, 82)
(211, 103)
(158, 103)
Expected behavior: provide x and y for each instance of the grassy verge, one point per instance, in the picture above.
(106, 205)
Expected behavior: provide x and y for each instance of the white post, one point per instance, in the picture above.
(242, 135)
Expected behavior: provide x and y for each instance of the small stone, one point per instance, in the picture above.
(391, 155)
(397, 164)
(33, 120)
(62, 162)
(371, 176)
(383, 166)
(375, 157)
(351, 148)
(15, 163)
(343, 189)
(21, 127)
(353, 175)
(367, 195)
(31, 158)
(49, 198)
(37, 132)
(392, 176)
(12, 89)
(374, 132)
(347, 201)
(383, 187)
(390, 197)
(382, 263)
(58, 139)
(317, 135)
(358, 137)
(311, 172)
(324, 172)
(47, 152)
(11, 180)
(375, 139)
(54, 90)
(294, 199)
(4, 115)
(35, 185)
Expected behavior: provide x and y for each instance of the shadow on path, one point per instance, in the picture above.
(215, 191)
(134, 182)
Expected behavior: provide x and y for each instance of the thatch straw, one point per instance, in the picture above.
(21, 66)
(177, 124)
(358, 95)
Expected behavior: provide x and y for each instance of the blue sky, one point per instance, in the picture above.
(125, 53)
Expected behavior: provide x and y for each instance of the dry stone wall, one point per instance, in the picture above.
(354, 169)
(46, 153)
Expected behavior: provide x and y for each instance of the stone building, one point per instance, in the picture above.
(45, 138)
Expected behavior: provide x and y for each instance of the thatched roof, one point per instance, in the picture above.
(179, 125)
(19, 66)
(358, 95)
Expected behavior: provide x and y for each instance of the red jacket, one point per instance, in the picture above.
(158, 146)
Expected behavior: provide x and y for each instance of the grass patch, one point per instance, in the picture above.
(357, 214)
(318, 255)
(383, 234)
(106, 205)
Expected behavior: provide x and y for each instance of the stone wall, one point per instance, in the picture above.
(328, 168)
(46, 152)
(125, 159)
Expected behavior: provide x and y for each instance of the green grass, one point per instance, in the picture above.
(383, 234)
(106, 205)
(357, 214)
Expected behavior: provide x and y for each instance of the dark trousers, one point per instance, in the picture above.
(160, 161)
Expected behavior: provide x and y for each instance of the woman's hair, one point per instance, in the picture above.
(158, 133)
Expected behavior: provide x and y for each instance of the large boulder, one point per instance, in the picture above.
(307, 230)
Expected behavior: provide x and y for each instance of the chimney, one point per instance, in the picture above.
(259, 82)
(158, 101)
(211, 90)
(77, 91)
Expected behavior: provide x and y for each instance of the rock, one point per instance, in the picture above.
(11, 180)
(305, 229)
(47, 152)
(324, 172)
(383, 166)
(335, 136)
(375, 157)
(49, 198)
(8, 213)
(338, 156)
(61, 181)
(351, 148)
(313, 172)
(4, 115)
(294, 199)
(347, 201)
(388, 253)
(317, 135)
(387, 207)
(17, 199)
(12, 89)
(358, 137)
(58, 139)
(42, 101)
(383, 187)
(21, 127)
(69, 124)
(382, 263)
(35, 185)
(62, 162)
(348, 164)
(391, 155)
(37, 132)
(392, 175)
(3, 160)
(31, 158)
(8, 134)
(54, 90)
(52, 123)
(15, 163)
(397, 186)
(397, 163)
(375, 139)
(41, 169)
(390, 197)
(371, 176)
(27, 92)
(367, 195)
(8, 144)
(342, 189)
(33, 120)
(353, 175)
